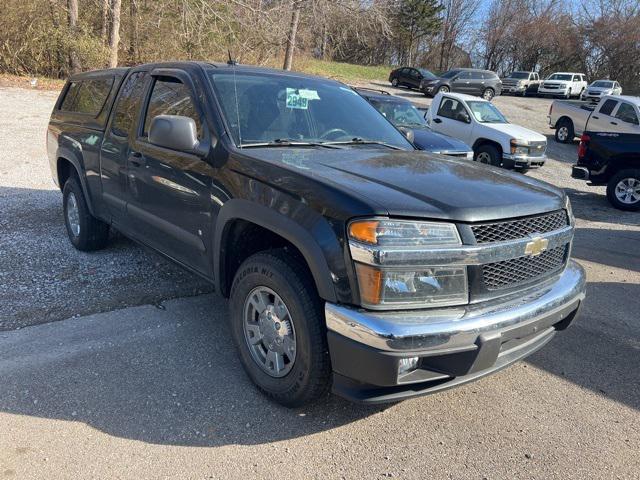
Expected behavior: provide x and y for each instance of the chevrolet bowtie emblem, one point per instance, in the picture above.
(536, 246)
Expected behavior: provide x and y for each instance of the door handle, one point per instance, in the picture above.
(437, 120)
(136, 159)
(597, 118)
(613, 123)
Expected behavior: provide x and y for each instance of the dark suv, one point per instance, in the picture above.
(409, 77)
(483, 83)
(351, 261)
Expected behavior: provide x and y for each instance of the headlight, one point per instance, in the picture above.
(519, 147)
(388, 287)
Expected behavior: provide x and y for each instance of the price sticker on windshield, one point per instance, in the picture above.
(296, 100)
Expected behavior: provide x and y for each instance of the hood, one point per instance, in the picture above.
(414, 184)
(517, 131)
(430, 141)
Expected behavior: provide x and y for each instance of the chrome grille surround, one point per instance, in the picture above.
(510, 273)
(519, 228)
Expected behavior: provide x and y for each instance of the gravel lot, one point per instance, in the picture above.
(147, 392)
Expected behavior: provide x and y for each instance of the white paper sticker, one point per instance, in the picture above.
(295, 100)
(310, 94)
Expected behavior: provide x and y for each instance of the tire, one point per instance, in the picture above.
(488, 94)
(272, 274)
(564, 131)
(394, 82)
(85, 231)
(489, 155)
(443, 89)
(522, 170)
(630, 179)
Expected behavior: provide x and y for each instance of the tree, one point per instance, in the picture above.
(415, 20)
(456, 19)
(133, 31)
(114, 33)
(296, 5)
(72, 8)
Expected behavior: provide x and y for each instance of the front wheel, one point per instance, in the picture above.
(278, 327)
(394, 82)
(489, 155)
(85, 232)
(488, 94)
(443, 89)
(623, 190)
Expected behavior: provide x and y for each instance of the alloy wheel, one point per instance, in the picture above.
(73, 214)
(628, 191)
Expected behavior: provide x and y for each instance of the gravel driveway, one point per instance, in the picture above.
(149, 392)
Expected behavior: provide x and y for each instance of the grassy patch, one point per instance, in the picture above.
(345, 72)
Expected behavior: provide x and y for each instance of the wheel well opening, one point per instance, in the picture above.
(483, 141)
(243, 239)
(64, 169)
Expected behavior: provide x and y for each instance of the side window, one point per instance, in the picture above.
(128, 104)
(405, 71)
(415, 74)
(478, 75)
(576, 78)
(87, 96)
(450, 108)
(171, 97)
(608, 107)
(464, 76)
(627, 113)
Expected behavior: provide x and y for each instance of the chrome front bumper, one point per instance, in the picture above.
(524, 160)
(453, 329)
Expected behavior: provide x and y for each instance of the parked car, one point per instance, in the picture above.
(611, 159)
(521, 83)
(595, 91)
(611, 114)
(563, 84)
(408, 118)
(482, 83)
(409, 77)
(480, 124)
(351, 261)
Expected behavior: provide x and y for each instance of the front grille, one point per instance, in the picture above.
(519, 228)
(510, 273)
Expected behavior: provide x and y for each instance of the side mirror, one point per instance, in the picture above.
(174, 132)
(408, 133)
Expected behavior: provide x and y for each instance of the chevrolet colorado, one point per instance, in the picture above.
(351, 261)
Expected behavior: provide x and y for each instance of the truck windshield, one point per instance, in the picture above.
(519, 75)
(401, 114)
(560, 76)
(485, 112)
(262, 108)
(602, 84)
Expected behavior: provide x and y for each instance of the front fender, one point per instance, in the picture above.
(307, 239)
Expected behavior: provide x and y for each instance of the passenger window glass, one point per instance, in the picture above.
(626, 113)
(415, 74)
(450, 108)
(171, 97)
(463, 76)
(87, 96)
(127, 104)
(478, 75)
(608, 107)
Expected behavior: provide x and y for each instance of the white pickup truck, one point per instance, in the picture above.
(495, 141)
(613, 113)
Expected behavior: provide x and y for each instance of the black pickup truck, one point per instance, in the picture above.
(611, 159)
(351, 261)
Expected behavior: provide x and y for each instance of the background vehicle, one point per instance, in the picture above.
(405, 116)
(480, 124)
(409, 77)
(521, 83)
(563, 84)
(612, 114)
(596, 90)
(611, 159)
(484, 83)
(322, 225)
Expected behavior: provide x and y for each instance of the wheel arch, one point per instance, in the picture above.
(487, 141)
(66, 165)
(280, 227)
(564, 118)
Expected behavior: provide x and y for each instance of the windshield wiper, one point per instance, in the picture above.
(363, 141)
(285, 142)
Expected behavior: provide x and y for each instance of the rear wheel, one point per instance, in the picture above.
(488, 94)
(623, 190)
(394, 82)
(85, 231)
(564, 131)
(489, 155)
(278, 327)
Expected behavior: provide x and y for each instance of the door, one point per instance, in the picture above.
(462, 83)
(115, 147)
(169, 202)
(451, 119)
(414, 78)
(601, 118)
(477, 83)
(625, 119)
(576, 85)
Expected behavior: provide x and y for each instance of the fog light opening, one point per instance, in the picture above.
(407, 365)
